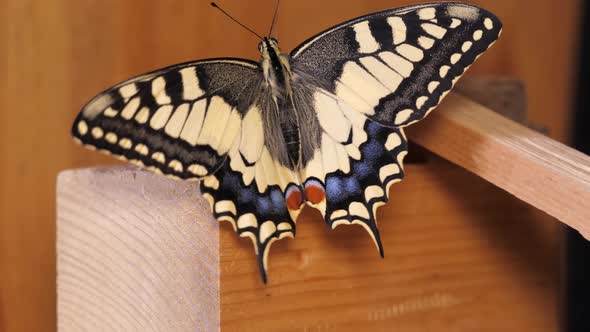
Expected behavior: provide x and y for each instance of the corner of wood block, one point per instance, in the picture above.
(135, 251)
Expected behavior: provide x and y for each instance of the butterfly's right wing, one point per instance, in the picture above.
(397, 65)
(180, 121)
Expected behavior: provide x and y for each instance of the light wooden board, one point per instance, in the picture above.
(547, 174)
(135, 253)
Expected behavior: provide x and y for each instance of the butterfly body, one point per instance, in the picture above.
(322, 125)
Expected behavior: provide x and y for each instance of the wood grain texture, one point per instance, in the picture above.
(58, 54)
(135, 252)
(545, 173)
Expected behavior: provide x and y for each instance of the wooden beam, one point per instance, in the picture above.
(538, 170)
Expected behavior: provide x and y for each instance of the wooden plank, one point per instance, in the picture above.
(130, 256)
(540, 171)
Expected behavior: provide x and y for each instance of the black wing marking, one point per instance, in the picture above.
(395, 66)
(180, 121)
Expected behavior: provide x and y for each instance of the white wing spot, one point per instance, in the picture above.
(130, 109)
(284, 226)
(455, 23)
(159, 157)
(225, 206)
(444, 70)
(420, 101)
(393, 141)
(488, 23)
(382, 72)
(159, 91)
(82, 128)
(211, 182)
(197, 169)
(143, 115)
(358, 209)
(97, 132)
(455, 58)
(111, 137)
(176, 165)
(192, 127)
(373, 192)
(125, 143)
(247, 220)
(398, 28)
(425, 42)
(410, 52)
(128, 91)
(388, 170)
(402, 116)
(434, 30)
(159, 119)
(367, 43)
(466, 46)
(267, 230)
(177, 120)
(190, 84)
(142, 149)
(338, 214)
(426, 13)
(432, 86)
(362, 83)
(477, 35)
(110, 112)
(397, 63)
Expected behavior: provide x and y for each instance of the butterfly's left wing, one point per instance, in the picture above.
(371, 76)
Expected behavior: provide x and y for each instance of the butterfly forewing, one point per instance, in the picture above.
(395, 66)
(180, 121)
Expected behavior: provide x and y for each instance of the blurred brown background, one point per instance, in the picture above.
(57, 54)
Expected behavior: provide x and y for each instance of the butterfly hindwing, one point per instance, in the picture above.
(258, 195)
(395, 66)
(180, 121)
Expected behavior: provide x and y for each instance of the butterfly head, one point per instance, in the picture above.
(268, 45)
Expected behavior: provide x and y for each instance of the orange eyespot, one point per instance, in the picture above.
(294, 198)
(314, 191)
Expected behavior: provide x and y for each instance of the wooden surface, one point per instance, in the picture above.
(540, 171)
(460, 255)
(135, 253)
(58, 54)
(455, 260)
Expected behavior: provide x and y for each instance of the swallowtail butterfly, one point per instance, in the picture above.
(322, 125)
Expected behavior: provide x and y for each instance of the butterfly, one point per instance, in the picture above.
(321, 126)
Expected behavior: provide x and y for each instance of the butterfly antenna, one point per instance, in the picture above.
(274, 17)
(214, 5)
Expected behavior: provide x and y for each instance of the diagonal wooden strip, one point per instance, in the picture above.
(536, 169)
